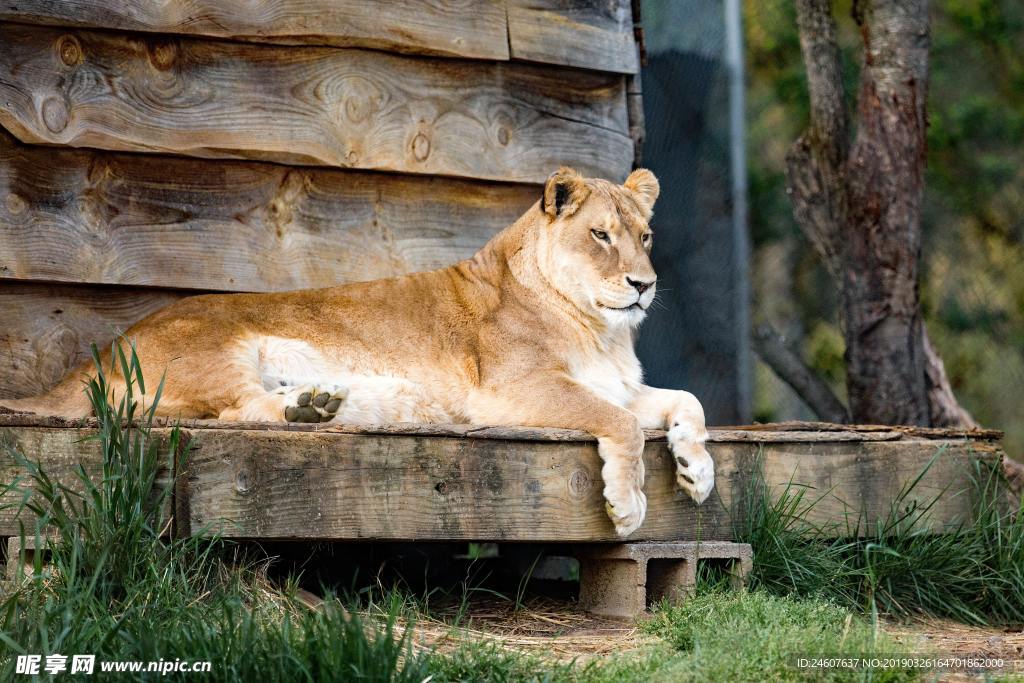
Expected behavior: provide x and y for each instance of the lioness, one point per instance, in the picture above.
(535, 329)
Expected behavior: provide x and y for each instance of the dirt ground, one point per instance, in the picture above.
(949, 638)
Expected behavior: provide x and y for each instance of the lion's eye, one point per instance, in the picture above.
(600, 235)
(646, 238)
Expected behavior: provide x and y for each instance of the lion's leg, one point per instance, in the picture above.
(681, 414)
(289, 380)
(555, 401)
(282, 380)
(380, 399)
(304, 403)
(355, 399)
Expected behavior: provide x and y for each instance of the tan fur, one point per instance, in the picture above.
(524, 333)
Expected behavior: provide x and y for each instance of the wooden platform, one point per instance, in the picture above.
(456, 482)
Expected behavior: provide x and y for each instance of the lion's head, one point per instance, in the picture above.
(595, 248)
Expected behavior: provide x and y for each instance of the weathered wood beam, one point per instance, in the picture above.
(581, 34)
(345, 486)
(507, 485)
(315, 106)
(458, 28)
(59, 452)
(98, 217)
(47, 329)
(589, 35)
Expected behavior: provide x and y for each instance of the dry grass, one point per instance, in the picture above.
(948, 637)
(543, 627)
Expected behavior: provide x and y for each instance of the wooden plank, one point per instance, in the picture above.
(910, 430)
(47, 329)
(323, 485)
(59, 452)
(98, 217)
(459, 28)
(853, 486)
(501, 433)
(315, 106)
(274, 484)
(578, 33)
(581, 33)
(320, 485)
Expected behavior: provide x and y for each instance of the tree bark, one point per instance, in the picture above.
(816, 162)
(945, 411)
(860, 205)
(881, 241)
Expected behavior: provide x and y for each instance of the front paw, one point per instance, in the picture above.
(695, 470)
(627, 512)
(625, 501)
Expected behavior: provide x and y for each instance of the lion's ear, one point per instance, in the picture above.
(645, 189)
(564, 192)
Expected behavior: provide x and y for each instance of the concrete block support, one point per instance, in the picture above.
(21, 556)
(620, 581)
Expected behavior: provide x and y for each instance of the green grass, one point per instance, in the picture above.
(735, 636)
(717, 635)
(116, 586)
(974, 573)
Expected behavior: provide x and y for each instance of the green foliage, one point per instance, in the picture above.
(972, 280)
(717, 635)
(488, 662)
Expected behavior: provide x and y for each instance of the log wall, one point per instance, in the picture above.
(149, 151)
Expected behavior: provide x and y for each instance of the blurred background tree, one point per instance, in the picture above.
(972, 270)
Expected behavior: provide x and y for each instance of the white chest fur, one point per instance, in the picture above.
(615, 374)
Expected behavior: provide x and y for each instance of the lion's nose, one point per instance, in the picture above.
(640, 286)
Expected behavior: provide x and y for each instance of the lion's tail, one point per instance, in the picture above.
(67, 399)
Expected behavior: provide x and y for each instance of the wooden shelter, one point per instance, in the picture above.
(155, 150)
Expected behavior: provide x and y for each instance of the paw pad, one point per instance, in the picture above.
(314, 404)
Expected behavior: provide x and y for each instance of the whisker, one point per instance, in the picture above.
(656, 301)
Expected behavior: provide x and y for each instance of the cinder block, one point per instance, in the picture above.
(21, 556)
(620, 581)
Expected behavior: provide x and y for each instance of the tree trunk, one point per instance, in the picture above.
(860, 206)
(881, 244)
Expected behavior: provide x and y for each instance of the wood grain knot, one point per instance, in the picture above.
(442, 487)
(163, 54)
(580, 483)
(504, 125)
(15, 204)
(70, 50)
(54, 113)
(420, 147)
(242, 485)
(358, 109)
